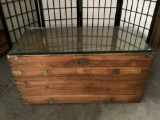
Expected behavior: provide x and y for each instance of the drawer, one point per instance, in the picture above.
(80, 89)
(79, 79)
(110, 71)
(79, 61)
(53, 99)
(37, 86)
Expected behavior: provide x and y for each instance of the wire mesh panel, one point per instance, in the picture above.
(137, 14)
(99, 12)
(60, 13)
(135, 17)
(19, 15)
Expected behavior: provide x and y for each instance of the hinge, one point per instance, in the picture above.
(149, 55)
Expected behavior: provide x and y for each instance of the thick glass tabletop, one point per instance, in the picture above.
(84, 40)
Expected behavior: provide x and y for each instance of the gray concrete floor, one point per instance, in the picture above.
(149, 109)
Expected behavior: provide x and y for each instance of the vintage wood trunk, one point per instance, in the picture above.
(81, 78)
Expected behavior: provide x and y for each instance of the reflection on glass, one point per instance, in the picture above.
(79, 40)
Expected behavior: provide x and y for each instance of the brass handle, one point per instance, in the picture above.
(81, 62)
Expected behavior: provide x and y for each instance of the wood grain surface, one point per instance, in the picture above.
(94, 78)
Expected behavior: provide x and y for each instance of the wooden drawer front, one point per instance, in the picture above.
(80, 99)
(76, 89)
(68, 88)
(78, 61)
(79, 79)
(110, 71)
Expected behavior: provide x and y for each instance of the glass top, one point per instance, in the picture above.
(83, 40)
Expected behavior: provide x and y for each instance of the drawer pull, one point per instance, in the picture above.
(81, 62)
(116, 71)
(47, 73)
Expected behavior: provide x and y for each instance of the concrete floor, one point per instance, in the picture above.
(149, 109)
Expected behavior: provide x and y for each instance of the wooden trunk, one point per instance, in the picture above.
(81, 78)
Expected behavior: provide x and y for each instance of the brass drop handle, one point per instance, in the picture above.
(81, 62)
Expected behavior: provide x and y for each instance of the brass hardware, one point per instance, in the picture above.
(116, 71)
(47, 73)
(138, 99)
(17, 73)
(24, 87)
(51, 100)
(21, 87)
(151, 55)
(145, 70)
(12, 57)
(111, 99)
(25, 102)
(81, 62)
